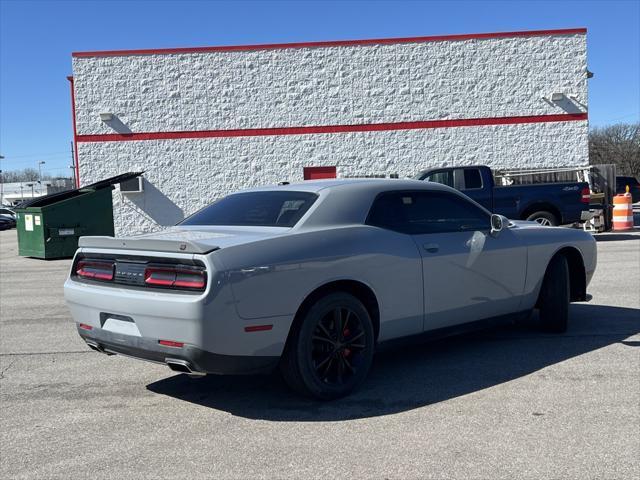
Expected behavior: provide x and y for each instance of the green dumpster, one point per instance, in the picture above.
(49, 227)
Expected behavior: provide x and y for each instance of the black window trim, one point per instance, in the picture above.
(441, 192)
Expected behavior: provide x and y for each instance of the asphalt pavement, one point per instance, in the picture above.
(507, 403)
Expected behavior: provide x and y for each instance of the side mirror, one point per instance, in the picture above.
(497, 224)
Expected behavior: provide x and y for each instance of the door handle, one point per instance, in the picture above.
(431, 247)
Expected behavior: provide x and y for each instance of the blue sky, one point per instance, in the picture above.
(37, 38)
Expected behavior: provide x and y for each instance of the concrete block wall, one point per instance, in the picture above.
(481, 78)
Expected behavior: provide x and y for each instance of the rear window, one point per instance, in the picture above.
(259, 209)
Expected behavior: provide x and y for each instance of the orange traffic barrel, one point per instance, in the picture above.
(622, 212)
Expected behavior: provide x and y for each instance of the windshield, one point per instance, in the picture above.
(259, 209)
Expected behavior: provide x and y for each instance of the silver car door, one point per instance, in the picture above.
(468, 274)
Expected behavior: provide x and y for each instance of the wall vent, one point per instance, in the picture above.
(133, 185)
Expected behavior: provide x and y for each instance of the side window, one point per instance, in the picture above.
(418, 213)
(388, 211)
(444, 177)
(472, 178)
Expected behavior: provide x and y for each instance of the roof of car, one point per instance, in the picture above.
(333, 183)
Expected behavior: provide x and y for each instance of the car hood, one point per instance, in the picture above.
(185, 239)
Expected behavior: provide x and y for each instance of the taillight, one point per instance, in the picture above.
(175, 277)
(171, 343)
(586, 195)
(95, 269)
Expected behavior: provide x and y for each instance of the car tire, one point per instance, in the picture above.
(544, 218)
(553, 302)
(330, 351)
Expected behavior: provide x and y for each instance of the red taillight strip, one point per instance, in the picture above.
(84, 326)
(176, 277)
(171, 343)
(257, 328)
(165, 282)
(189, 284)
(95, 270)
(586, 195)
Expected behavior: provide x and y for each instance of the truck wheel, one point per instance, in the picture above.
(331, 350)
(542, 217)
(553, 302)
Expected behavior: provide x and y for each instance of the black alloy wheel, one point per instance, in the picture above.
(330, 351)
(338, 346)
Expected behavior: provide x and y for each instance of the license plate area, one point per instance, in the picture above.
(119, 324)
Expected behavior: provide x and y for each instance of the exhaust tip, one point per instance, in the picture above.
(178, 367)
(94, 346)
(97, 347)
(182, 366)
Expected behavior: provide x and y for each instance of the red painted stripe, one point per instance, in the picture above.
(75, 131)
(335, 43)
(375, 127)
(257, 328)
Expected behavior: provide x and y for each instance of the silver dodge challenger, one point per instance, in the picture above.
(312, 278)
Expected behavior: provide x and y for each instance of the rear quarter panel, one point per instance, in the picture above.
(271, 278)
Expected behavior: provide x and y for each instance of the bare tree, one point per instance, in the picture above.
(26, 175)
(618, 144)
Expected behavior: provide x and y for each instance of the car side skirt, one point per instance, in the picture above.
(440, 333)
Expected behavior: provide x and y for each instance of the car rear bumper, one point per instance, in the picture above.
(195, 360)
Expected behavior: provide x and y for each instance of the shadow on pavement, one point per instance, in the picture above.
(421, 375)
(612, 237)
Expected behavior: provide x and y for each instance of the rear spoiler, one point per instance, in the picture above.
(156, 245)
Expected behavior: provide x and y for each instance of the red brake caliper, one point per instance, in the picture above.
(345, 333)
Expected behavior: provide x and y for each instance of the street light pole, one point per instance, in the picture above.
(40, 163)
(1, 185)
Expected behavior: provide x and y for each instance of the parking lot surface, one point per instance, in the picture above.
(506, 403)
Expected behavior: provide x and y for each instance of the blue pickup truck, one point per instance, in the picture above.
(545, 203)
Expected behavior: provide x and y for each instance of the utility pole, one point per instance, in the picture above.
(1, 185)
(73, 166)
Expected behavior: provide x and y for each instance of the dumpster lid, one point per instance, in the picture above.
(60, 196)
(112, 181)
